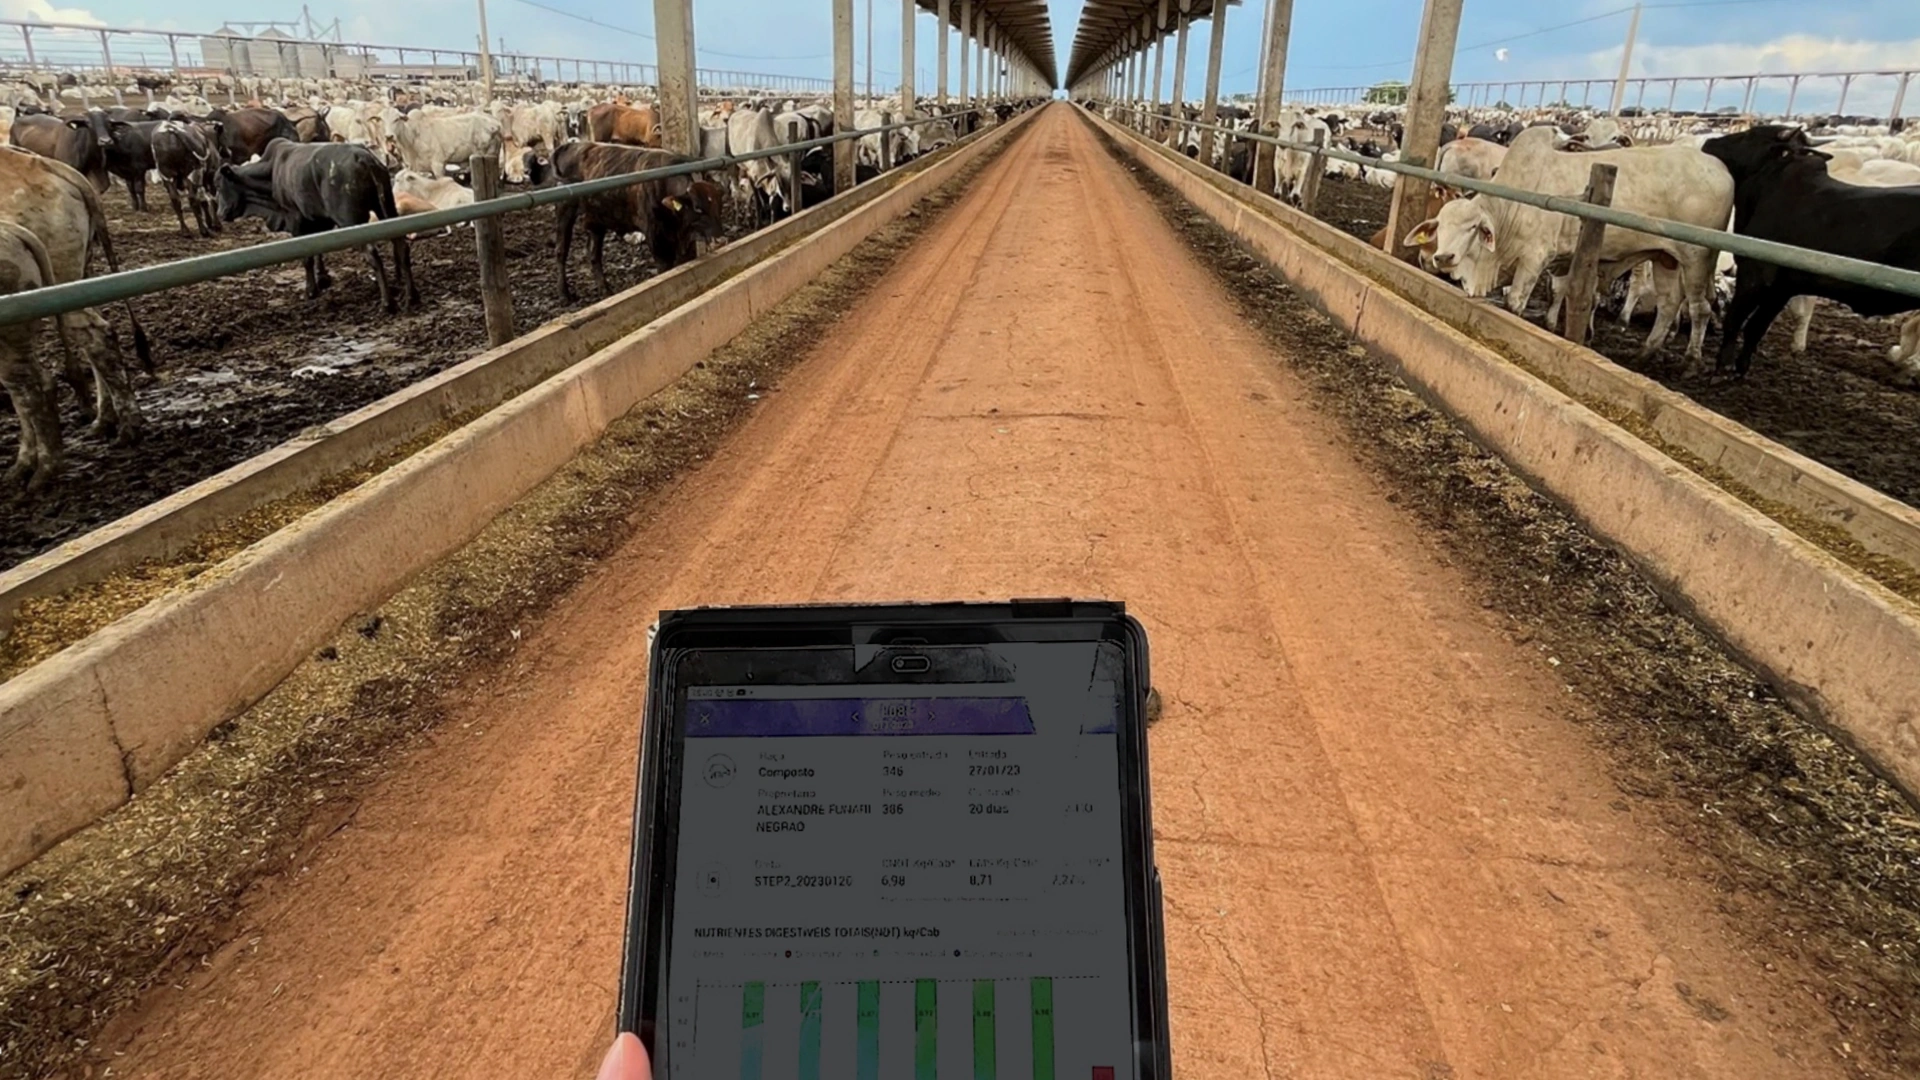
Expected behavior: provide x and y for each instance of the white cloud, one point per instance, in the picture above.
(1792, 53)
(42, 11)
(1788, 54)
(1500, 55)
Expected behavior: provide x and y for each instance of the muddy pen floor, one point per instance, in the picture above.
(245, 363)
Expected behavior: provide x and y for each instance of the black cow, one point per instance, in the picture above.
(674, 213)
(130, 156)
(246, 132)
(189, 165)
(1239, 161)
(1363, 147)
(79, 141)
(1782, 192)
(306, 188)
(1448, 133)
(129, 113)
(817, 179)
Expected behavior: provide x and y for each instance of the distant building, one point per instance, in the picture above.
(270, 54)
(226, 50)
(274, 55)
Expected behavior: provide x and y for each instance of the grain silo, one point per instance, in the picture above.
(310, 60)
(273, 55)
(226, 50)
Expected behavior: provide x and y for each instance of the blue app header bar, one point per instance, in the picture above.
(790, 718)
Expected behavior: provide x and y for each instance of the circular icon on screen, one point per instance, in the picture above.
(713, 879)
(720, 770)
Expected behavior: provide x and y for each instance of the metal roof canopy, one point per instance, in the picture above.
(1026, 24)
(1106, 25)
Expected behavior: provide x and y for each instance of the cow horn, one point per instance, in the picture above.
(1821, 140)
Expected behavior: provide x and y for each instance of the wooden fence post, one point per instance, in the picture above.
(793, 196)
(1583, 276)
(490, 239)
(1316, 170)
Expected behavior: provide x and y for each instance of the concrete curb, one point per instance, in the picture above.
(165, 527)
(1841, 646)
(83, 731)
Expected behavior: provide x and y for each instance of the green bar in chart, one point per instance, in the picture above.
(983, 1041)
(809, 1031)
(926, 1024)
(1042, 1029)
(753, 1015)
(867, 1021)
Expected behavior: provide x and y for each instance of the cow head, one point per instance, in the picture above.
(771, 194)
(1760, 148)
(683, 222)
(1459, 242)
(230, 193)
(102, 128)
(238, 194)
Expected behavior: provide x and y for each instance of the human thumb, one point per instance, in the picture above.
(627, 1060)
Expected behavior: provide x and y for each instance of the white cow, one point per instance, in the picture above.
(1476, 239)
(543, 125)
(1603, 129)
(1290, 167)
(437, 192)
(1908, 350)
(418, 193)
(1878, 172)
(429, 142)
(763, 181)
(1475, 159)
(866, 149)
(932, 135)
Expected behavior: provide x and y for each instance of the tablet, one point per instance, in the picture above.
(896, 841)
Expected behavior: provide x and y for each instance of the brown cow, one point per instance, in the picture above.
(78, 142)
(628, 125)
(675, 213)
(309, 124)
(245, 133)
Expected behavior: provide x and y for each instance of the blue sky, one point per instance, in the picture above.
(1335, 42)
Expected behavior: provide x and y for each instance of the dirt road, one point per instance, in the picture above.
(1387, 850)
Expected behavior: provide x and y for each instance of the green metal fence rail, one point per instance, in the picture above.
(110, 288)
(1855, 271)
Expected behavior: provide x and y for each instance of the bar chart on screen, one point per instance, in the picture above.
(923, 1029)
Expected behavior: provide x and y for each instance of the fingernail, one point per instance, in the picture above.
(625, 1059)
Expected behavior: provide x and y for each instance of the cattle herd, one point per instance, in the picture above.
(1846, 186)
(317, 164)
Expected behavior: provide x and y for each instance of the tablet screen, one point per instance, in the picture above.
(918, 881)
